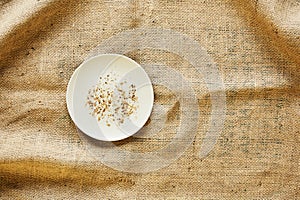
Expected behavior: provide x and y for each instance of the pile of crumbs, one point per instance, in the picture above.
(112, 101)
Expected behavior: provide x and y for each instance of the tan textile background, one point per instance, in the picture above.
(256, 45)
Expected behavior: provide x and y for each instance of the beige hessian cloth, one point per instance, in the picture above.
(256, 45)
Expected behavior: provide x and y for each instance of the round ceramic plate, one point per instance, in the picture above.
(109, 97)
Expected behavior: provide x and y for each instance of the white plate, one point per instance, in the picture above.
(123, 70)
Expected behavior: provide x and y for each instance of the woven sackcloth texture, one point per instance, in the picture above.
(255, 46)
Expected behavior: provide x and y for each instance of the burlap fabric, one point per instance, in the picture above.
(256, 47)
